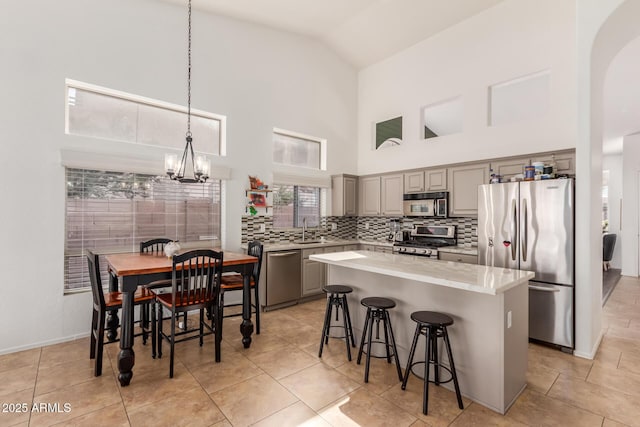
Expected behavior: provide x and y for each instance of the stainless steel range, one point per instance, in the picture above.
(426, 239)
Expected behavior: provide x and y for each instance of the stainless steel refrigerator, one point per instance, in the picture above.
(529, 226)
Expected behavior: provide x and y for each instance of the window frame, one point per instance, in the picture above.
(322, 142)
(296, 207)
(69, 83)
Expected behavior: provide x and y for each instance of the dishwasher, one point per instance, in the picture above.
(284, 277)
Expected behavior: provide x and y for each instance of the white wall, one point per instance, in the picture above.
(630, 207)
(613, 164)
(258, 77)
(512, 39)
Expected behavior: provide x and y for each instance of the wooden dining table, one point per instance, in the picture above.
(127, 271)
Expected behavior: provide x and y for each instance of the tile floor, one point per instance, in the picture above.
(280, 382)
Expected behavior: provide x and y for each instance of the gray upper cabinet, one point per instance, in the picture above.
(344, 195)
(463, 188)
(391, 194)
(369, 195)
(414, 182)
(511, 167)
(435, 179)
(565, 162)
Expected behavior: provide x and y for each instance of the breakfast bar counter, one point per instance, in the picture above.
(489, 305)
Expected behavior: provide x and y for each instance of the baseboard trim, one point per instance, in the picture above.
(43, 343)
(591, 354)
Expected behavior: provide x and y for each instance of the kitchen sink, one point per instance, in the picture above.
(307, 241)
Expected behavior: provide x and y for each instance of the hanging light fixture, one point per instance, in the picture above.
(200, 165)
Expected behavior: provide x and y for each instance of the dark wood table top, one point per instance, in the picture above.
(135, 263)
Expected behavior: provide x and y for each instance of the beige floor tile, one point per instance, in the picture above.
(262, 394)
(334, 354)
(83, 399)
(65, 352)
(233, 369)
(617, 379)
(557, 360)
(630, 362)
(363, 408)
(606, 402)
(15, 380)
(284, 361)
(443, 405)
(20, 359)
(539, 377)
(259, 344)
(319, 385)
(542, 410)
(224, 423)
(19, 409)
(297, 414)
(74, 372)
(382, 375)
(476, 415)
(152, 384)
(186, 407)
(302, 335)
(112, 416)
(608, 357)
(610, 423)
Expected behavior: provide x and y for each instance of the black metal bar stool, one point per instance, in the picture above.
(432, 325)
(377, 310)
(338, 299)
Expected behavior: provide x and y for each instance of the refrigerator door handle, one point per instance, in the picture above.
(540, 288)
(524, 230)
(514, 230)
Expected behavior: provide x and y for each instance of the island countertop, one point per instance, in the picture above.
(469, 277)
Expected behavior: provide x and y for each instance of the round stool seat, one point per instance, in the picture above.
(378, 302)
(337, 289)
(432, 318)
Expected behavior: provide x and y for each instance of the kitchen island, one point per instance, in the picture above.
(488, 304)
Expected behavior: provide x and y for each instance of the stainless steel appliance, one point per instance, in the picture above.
(426, 239)
(426, 204)
(530, 226)
(284, 277)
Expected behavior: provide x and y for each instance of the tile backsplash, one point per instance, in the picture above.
(348, 227)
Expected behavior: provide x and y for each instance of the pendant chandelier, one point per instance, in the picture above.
(199, 165)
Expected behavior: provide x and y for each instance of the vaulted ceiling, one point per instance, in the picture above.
(364, 32)
(361, 31)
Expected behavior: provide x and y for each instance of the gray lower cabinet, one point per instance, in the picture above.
(450, 256)
(313, 273)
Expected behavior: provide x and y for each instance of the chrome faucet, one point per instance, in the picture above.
(304, 227)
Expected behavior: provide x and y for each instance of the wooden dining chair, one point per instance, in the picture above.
(104, 301)
(234, 282)
(155, 247)
(195, 284)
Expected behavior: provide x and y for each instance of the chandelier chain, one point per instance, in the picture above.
(189, 77)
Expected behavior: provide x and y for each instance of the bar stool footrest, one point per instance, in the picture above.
(446, 368)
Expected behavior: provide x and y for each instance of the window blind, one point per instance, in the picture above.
(293, 203)
(110, 212)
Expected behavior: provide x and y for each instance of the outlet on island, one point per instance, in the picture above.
(334, 226)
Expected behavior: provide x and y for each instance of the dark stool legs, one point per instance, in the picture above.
(337, 298)
(377, 311)
(433, 326)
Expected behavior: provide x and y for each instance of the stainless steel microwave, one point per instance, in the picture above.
(426, 204)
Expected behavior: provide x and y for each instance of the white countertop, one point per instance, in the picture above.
(468, 277)
(466, 250)
(288, 246)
